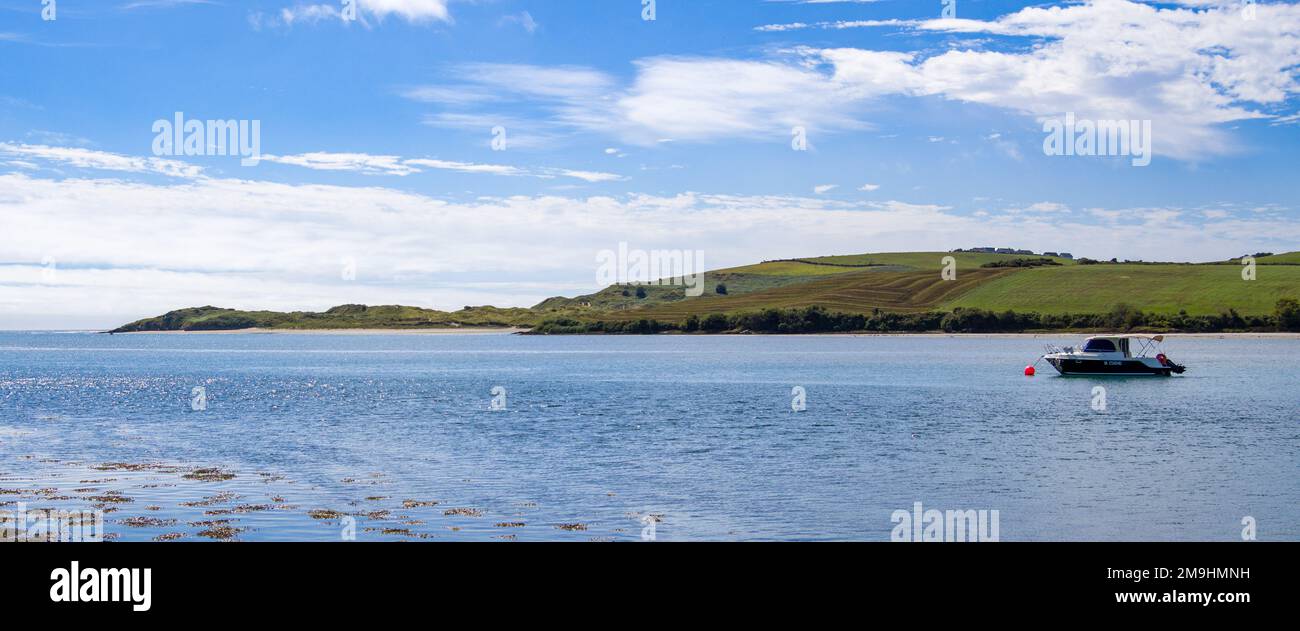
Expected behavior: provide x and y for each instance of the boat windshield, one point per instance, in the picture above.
(1099, 345)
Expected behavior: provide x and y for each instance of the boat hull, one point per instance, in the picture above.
(1095, 367)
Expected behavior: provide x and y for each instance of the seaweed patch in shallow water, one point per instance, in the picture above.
(110, 499)
(463, 512)
(221, 533)
(127, 466)
(146, 522)
(219, 498)
(209, 474)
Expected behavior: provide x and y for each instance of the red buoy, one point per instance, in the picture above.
(1029, 371)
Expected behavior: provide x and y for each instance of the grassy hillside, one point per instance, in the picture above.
(1289, 258)
(854, 292)
(770, 275)
(907, 284)
(1198, 289)
(342, 317)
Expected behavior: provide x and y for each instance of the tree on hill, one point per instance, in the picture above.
(1288, 314)
(721, 289)
(640, 292)
(1124, 317)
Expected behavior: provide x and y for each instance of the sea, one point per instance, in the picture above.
(498, 437)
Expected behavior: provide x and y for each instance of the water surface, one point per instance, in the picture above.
(599, 432)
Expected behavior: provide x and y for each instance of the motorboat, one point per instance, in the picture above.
(1114, 355)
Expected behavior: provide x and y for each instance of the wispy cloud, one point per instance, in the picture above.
(1187, 71)
(413, 11)
(369, 164)
(102, 160)
(162, 4)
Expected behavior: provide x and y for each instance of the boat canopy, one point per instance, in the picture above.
(1130, 336)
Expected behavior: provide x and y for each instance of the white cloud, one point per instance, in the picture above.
(832, 25)
(523, 19)
(1042, 207)
(368, 164)
(126, 250)
(354, 162)
(822, 189)
(1188, 71)
(101, 160)
(410, 10)
(414, 11)
(869, 187)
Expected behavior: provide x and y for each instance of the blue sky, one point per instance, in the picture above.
(924, 132)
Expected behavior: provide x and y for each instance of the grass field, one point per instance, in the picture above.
(1289, 258)
(1199, 289)
(857, 292)
(896, 261)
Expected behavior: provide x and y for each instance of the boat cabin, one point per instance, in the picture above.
(1127, 345)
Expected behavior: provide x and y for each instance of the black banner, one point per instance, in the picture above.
(319, 581)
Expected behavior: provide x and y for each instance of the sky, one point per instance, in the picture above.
(444, 153)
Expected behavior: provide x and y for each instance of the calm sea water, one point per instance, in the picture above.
(598, 432)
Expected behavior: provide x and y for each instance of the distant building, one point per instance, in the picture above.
(1005, 251)
(1051, 254)
(1067, 255)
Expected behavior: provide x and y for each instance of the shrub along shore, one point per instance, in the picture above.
(1286, 317)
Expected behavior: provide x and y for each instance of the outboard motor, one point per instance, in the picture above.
(1167, 363)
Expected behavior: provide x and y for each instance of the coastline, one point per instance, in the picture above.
(517, 330)
(262, 331)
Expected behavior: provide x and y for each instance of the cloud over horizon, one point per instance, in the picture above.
(124, 250)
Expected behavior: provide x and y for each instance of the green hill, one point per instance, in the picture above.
(1196, 289)
(341, 317)
(886, 290)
